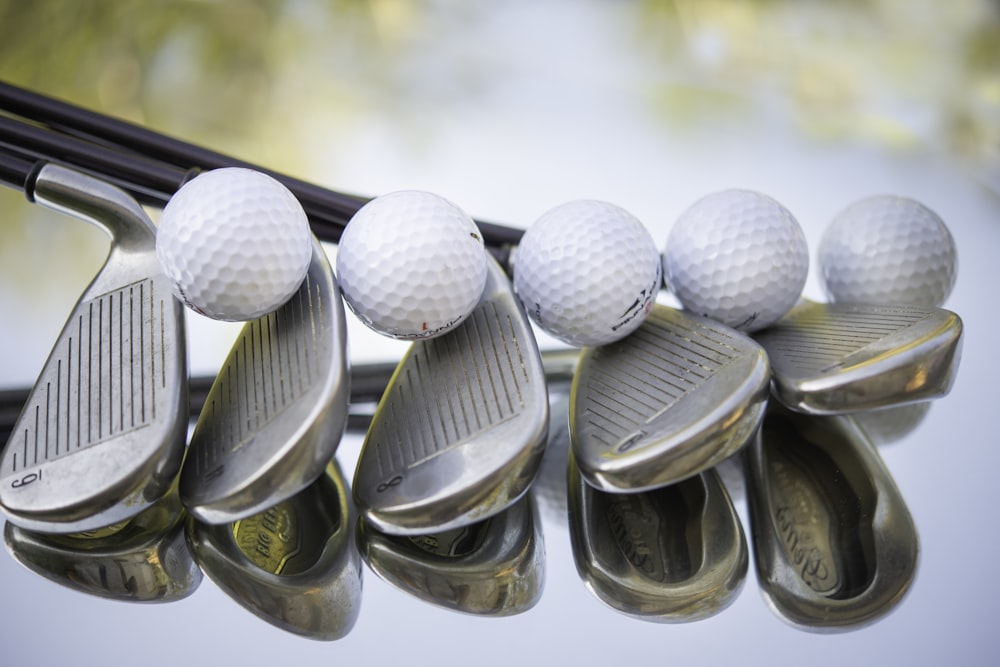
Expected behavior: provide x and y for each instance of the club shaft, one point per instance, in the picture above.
(151, 164)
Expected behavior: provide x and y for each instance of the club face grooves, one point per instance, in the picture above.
(673, 398)
(102, 433)
(275, 413)
(461, 427)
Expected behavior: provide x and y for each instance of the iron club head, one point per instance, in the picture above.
(277, 409)
(674, 398)
(461, 428)
(838, 358)
(101, 436)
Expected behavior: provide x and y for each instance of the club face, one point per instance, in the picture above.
(102, 434)
(144, 559)
(675, 397)
(460, 430)
(835, 545)
(293, 565)
(277, 409)
(839, 358)
(495, 567)
(674, 554)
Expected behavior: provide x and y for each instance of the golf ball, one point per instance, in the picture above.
(587, 272)
(888, 250)
(411, 265)
(738, 257)
(235, 244)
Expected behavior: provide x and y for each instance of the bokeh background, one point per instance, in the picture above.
(510, 108)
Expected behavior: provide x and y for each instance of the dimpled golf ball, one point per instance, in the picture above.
(411, 265)
(587, 272)
(235, 244)
(888, 250)
(738, 257)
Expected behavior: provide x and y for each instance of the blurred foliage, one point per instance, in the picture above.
(900, 73)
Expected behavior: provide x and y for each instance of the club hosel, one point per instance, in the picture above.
(85, 197)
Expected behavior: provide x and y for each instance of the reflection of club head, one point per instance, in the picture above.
(838, 358)
(549, 486)
(673, 554)
(677, 396)
(495, 567)
(294, 565)
(101, 436)
(835, 545)
(892, 424)
(460, 430)
(143, 559)
(277, 409)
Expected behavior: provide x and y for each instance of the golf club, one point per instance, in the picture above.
(276, 412)
(839, 358)
(460, 430)
(674, 398)
(102, 433)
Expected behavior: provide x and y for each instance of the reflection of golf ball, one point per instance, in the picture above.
(888, 250)
(235, 243)
(411, 265)
(738, 257)
(587, 272)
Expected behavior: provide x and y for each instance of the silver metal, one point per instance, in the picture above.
(674, 398)
(835, 546)
(839, 358)
(294, 565)
(495, 567)
(674, 554)
(143, 559)
(277, 409)
(460, 430)
(102, 434)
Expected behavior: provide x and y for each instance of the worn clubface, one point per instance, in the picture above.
(460, 430)
(839, 358)
(278, 407)
(101, 436)
(835, 545)
(677, 396)
(670, 555)
(295, 564)
(495, 567)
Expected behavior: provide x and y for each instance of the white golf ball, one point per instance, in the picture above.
(411, 265)
(888, 250)
(235, 243)
(738, 257)
(587, 272)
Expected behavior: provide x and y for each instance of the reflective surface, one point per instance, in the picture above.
(510, 110)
